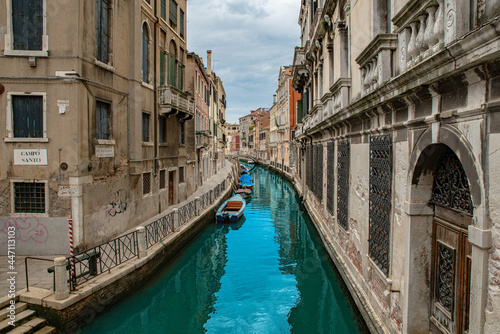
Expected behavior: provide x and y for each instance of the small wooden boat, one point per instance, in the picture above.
(248, 184)
(231, 210)
(251, 162)
(244, 192)
(245, 177)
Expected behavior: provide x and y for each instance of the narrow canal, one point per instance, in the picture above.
(265, 274)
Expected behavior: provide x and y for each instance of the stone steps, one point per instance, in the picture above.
(26, 321)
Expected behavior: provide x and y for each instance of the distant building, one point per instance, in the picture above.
(233, 138)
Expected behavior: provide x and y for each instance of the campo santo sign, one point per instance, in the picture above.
(30, 157)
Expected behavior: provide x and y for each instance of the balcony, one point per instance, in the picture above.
(376, 62)
(423, 29)
(300, 72)
(175, 102)
(203, 139)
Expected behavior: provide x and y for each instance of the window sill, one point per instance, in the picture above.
(29, 214)
(105, 142)
(147, 85)
(26, 53)
(26, 140)
(148, 144)
(163, 144)
(104, 65)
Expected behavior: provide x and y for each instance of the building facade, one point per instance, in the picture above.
(97, 123)
(233, 138)
(397, 155)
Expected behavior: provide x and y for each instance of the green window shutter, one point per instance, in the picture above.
(299, 111)
(172, 11)
(171, 71)
(162, 68)
(164, 9)
(28, 116)
(181, 19)
(179, 77)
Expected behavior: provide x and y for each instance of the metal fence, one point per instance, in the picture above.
(159, 229)
(186, 212)
(102, 258)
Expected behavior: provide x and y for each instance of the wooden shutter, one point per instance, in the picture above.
(145, 54)
(102, 120)
(145, 127)
(102, 31)
(28, 116)
(181, 23)
(162, 68)
(27, 23)
(164, 9)
(171, 70)
(173, 12)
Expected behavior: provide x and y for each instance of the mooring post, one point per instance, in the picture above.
(141, 241)
(61, 278)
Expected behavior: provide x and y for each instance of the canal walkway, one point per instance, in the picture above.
(38, 276)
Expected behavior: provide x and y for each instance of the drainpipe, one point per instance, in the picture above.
(155, 90)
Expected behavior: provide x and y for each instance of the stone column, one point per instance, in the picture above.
(141, 241)
(61, 278)
(197, 205)
(177, 224)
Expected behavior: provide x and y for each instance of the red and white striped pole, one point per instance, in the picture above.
(72, 259)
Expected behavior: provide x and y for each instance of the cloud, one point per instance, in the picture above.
(250, 40)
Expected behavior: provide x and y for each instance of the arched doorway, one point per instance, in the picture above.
(451, 250)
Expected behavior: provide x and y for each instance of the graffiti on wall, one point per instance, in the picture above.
(119, 204)
(27, 228)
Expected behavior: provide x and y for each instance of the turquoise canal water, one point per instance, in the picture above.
(265, 274)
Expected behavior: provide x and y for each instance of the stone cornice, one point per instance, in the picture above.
(380, 42)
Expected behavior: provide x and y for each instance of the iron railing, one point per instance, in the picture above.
(102, 258)
(186, 212)
(159, 229)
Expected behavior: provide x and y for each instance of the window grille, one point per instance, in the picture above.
(146, 183)
(380, 200)
(318, 172)
(27, 116)
(343, 183)
(451, 186)
(330, 149)
(29, 197)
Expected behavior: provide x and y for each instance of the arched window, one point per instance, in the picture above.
(145, 53)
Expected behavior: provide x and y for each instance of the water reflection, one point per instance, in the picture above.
(266, 274)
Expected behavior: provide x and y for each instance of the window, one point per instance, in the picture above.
(172, 11)
(145, 53)
(102, 26)
(343, 184)
(26, 28)
(181, 133)
(29, 197)
(163, 179)
(181, 174)
(145, 127)
(171, 68)
(380, 201)
(102, 115)
(28, 116)
(162, 129)
(146, 183)
(164, 9)
(181, 19)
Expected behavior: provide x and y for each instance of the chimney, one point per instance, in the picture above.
(274, 99)
(209, 61)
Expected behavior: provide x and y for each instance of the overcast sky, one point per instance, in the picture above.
(250, 40)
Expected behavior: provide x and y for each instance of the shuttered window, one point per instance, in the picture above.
(171, 70)
(102, 34)
(145, 53)
(27, 24)
(163, 129)
(179, 77)
(172, 11)
(162, 68)
(27, 116)
(181, 19)
(181, 133)
(145, 127)
(163, 10)
(102, 114)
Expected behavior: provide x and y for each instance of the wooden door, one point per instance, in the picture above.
(450, 275)
(171, 188)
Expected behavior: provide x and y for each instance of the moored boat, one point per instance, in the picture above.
(248, 184)
(231, 210)
(244, 192)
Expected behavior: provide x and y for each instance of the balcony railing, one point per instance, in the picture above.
(203, 138)
(423, 29)
(172, 100)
